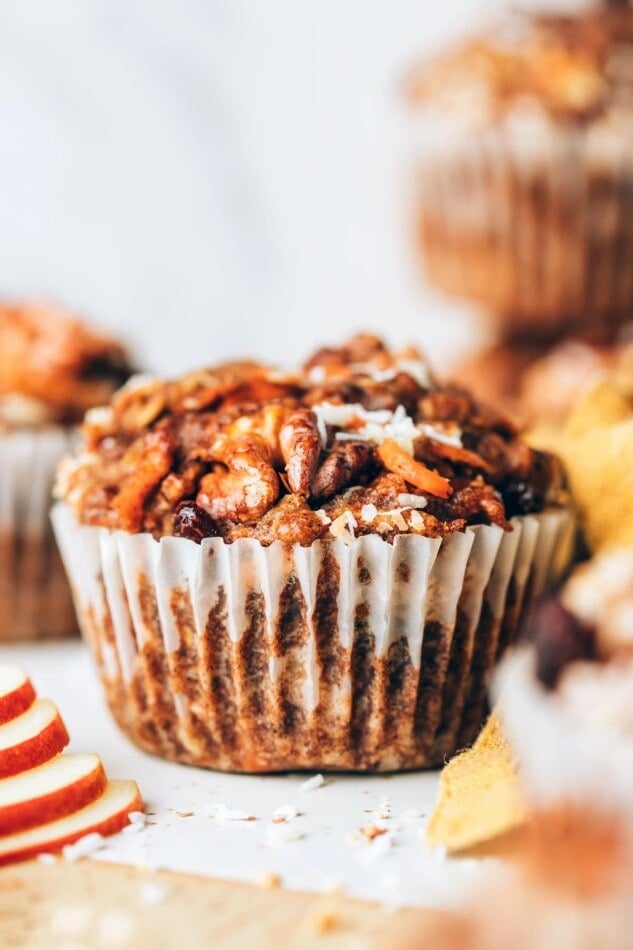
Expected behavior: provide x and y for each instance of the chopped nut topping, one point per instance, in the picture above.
(370, 445)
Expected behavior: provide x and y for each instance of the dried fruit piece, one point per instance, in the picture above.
(397, 460)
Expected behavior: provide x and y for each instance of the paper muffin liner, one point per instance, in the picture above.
(531, 219)
(574, 744)
(359, 656)
(35, 599)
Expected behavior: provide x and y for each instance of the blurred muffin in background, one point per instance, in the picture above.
(525, 170)
(537, 383)
(52, 369)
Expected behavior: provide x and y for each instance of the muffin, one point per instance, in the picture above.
(52, 369)
(542, 383)
(525, 168)
(566, 699)
(298, 570)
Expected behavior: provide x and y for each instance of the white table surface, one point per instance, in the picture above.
(395, 868)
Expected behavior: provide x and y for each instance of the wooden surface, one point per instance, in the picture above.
(88, 904)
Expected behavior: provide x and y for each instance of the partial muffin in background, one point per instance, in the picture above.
(542, 383)
(525, 169)
(314, 569)
(52, 369)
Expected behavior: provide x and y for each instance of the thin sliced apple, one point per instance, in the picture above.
(107, 815)
(16, 692)
(31, 739)
(50, 791)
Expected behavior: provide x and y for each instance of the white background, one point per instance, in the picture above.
(220, 177)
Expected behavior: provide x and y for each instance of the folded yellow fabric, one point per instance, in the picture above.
(479, 796)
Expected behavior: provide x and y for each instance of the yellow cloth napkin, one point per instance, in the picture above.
(596, 446)
(479, 796)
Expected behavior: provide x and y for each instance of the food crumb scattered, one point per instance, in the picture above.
(325, 921)
(269, 880)
(221, 813)
(312, 783)
(372, 831)
(285, 813)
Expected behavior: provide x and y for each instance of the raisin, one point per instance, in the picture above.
(559, 638)
(521, 498)
(194, 523)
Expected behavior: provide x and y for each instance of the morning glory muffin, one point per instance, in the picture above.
(52, 369)
(306, 569)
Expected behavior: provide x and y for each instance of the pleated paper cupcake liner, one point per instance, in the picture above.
(35, 600)
(359, 656)
(532, 220)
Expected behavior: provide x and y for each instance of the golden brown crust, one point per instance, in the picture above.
(244, 451)
(574, 66)
(53, 361)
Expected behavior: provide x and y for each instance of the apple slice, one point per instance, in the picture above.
(31, 739)
(107, 815)
(16, 692)
(50, 791)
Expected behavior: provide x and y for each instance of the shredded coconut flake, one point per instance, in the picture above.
(286, 812)
(83, 847)
(412, 501)
(310, 784)
(222, 813)
(283, 833)
(343, 527)
(368, 513)
(416, 521)
(452, 436)
(47, 859)
(381, 425)
(323, 517)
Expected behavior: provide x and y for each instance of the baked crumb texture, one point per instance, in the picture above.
(522, 168)
(360, 441)
(52, 367)
(354, 618)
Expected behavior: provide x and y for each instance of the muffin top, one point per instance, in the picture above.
(359, 441)
(52, 367)
(575, 67)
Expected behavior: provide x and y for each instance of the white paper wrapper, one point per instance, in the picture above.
(362, 656)
(574, 744)
(531, 218)
(35, 599)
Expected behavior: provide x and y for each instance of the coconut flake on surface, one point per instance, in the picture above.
(323, 516)
(406, 500)
(416, 521)
(286, 812)
(368, 513)
(137, 817)
(311, 784)
(221, 813)
(343, 527)
(383, 424)
(448, 436)
(283, 833)
(83, 847)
